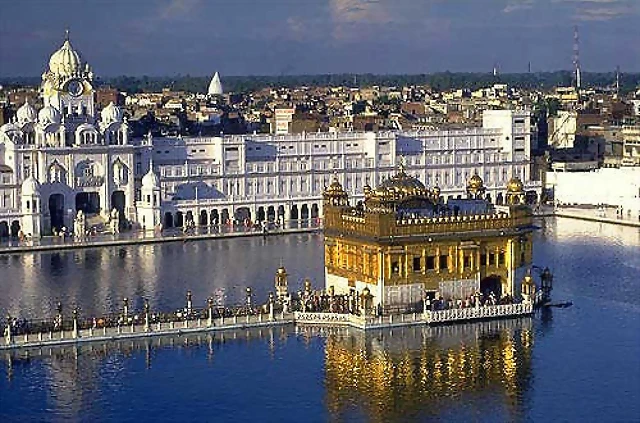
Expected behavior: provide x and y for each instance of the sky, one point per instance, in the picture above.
(290, 37)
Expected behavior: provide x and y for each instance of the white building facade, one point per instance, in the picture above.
(68, 158)
(269, 177)
(64, 158)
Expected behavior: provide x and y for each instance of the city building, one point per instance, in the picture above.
(65, 157)
(405, 243)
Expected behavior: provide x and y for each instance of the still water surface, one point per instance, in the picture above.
(576, 364)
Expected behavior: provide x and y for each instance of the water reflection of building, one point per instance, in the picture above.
(413, 372)
(404, 241)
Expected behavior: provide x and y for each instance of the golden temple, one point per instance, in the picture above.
(404, 243)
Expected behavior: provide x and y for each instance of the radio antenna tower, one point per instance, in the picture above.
(576, 57)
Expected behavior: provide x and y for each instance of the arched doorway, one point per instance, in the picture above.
(499, 199)
(203, 218)
(304, 212)
(189, 217)
(281, 213)
(315, 212)
(118, 203)
(294, 212)
(4, 230)
(56, 211)
(168, 220)
(488, 197)
(215, 217)
(88, 202)
(225, 217)
(491, 284)
(260, 214)
(179, 221)
(271, 214)
(15, 229)
(241, 214)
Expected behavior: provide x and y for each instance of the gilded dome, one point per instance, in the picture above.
(282, 270)
(515, 185)
(401, 183)
(49, 114)
(475, 182)
(111, 113)
(26, 113)
(65, 61)
(335, 188)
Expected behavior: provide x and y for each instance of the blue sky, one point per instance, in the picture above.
(273, 37)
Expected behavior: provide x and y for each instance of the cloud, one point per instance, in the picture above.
(518, 5)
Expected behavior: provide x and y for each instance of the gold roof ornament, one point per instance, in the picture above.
(515, 185)
(475, 186)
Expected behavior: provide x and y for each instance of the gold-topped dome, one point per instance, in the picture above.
(335, 188)
(515, 185)
(475, 182)
(281, 270)
(402, 183)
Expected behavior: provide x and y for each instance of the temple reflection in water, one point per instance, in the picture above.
(402, 374)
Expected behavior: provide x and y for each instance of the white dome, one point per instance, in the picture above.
(66, 61)
(111, 113)
(26, 113)
(48, 115)
(30, 186)
(215, 86)
(150, 180)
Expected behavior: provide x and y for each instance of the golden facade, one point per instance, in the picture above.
(404, 242)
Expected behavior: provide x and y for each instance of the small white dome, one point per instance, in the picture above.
(30, 186)
(66, 61)
(215, 86)
(26, 113)
(48, 115)
(111, 113)
(150, 180)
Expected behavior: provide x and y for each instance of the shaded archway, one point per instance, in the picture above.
(15, 228)
(214, 217)
(168, 220)
(4, 230)
(488, 197)
(189, 217)
(225, 216)
(499, 199)
(203, 218)
(88, 202)
(118, 203)
(271, 214)
(281, 213)
(294, 212)
(315, 211)
(241, 214)
(491, 284)
(56, 211)
(179, 220)
(260, 215)
(304, 212)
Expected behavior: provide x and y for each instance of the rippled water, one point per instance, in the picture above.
(575, 364)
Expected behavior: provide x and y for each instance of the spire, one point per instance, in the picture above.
(66, 34)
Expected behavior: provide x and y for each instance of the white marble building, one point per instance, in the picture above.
(68, 157)
(212, 180)
(64, 158)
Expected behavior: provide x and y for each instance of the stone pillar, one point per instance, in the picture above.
(147, 328)
(7, 331)
(271, 301)
(210, 306)
(75, 322)
(189, 303)
(125, 309)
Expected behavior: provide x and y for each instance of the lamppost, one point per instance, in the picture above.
(210, 306)
(189, 303)
(271, 305)
(59, 317)
(75, 321)
(7, 331)
(125, 309)
(248, 300)
(146, 316)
